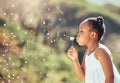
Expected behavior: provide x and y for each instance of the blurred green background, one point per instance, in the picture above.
(35, 34)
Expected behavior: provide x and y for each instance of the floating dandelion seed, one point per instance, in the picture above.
(61, 12)
(11, 33)
(4, 14)
(7, 70)
(4, 61)
(9, 58)
(43, 22)
(48, 33)
(25, 32)
(13, 5)
(31, 20)
(13, 78)
(64, 35)
(3, 55)
(18, 77)
(21, 68)
(60, 19)
(3, 34)
(12, 14)
(58, 34)
(51, 41)
(4, 68)
(48, 38)
(13, 74)
(4, 25)
(53, 64)
(47, 75)
(25, 61)
(9, 81)
(13, 64)
(48, 9)
(43, 59)
(18, 28)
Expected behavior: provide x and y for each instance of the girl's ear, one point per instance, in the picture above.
(93, 35)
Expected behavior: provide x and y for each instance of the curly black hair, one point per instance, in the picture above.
(97, 23)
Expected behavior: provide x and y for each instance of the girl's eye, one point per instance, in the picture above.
(81, 31)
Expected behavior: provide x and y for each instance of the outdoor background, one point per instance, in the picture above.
(35, 34)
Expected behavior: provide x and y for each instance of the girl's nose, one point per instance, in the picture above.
(77, 36)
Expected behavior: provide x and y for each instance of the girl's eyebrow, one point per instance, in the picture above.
(81, 28)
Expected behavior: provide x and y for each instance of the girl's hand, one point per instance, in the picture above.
(72, 53)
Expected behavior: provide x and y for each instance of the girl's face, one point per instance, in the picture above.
(83, 37)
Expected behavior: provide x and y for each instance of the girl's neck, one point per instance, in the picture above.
(92, 47)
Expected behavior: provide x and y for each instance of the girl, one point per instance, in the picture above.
(97, 65)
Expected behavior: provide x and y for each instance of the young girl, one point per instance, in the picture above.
(97, 65)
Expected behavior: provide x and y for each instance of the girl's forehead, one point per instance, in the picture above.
(84, 25)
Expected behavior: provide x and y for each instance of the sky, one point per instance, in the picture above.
(102, 2)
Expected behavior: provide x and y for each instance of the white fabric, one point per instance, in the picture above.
(94, 71)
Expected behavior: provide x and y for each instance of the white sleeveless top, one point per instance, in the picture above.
(94, 71)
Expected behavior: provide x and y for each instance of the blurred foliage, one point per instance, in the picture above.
(34, 38)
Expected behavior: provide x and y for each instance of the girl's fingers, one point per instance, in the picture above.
(69, 52)
(69, 55)
(71, 48)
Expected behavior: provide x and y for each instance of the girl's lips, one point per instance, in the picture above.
(77, 41)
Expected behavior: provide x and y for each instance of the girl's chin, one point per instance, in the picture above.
(80, 44)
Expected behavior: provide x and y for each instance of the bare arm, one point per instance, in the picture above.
(106, 63)
(79, 69)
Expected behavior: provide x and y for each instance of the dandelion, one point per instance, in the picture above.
(72, 39)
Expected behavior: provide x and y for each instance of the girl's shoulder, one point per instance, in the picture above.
(105, 48)
(102, 51)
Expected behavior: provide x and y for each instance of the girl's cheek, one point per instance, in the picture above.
(79, 39)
